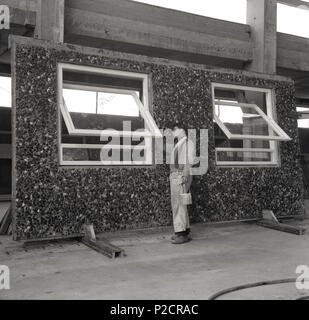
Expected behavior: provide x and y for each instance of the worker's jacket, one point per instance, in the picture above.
(183, 157)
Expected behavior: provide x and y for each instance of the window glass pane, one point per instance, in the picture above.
(243, 156)
(66, 138)
(96, 154)
(242, 120)
(77, 77)
(81, 101)
(5, 92)
(242, 96)
(222, 141)
(72, 154)
(99, 110)
(102, 122)
(117, 104)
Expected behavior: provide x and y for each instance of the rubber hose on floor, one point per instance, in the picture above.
(252, 285)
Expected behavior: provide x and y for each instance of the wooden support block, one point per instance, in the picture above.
(268, 215)
(88, 238)
(89, 232)
(105, 247)
(282, 227)
(42, 241)
(270, 221)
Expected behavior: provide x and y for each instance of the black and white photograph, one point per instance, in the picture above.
(154, 154)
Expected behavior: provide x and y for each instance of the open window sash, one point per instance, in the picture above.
(151, 129)
(272, 125)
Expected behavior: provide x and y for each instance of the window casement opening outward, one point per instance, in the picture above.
(104, 117)
(246, 133)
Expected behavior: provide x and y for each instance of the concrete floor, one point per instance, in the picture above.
(219, 257)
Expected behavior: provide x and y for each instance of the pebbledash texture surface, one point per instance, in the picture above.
(50, 200)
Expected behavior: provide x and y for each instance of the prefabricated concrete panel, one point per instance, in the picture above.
(51, 200)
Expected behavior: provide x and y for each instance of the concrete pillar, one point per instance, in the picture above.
(262, 18)
(50, 20)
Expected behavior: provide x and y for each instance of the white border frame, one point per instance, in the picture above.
(270, 105)
(151, 128)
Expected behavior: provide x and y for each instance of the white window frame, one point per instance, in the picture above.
(151, 130)
(269, 118)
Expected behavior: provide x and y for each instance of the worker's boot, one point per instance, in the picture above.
(174, 236)
(180, 239)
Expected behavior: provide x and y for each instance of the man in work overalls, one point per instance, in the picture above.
(182, 159)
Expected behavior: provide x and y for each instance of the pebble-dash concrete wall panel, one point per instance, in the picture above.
(51, 200)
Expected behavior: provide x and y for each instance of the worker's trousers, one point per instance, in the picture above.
(180, 211)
